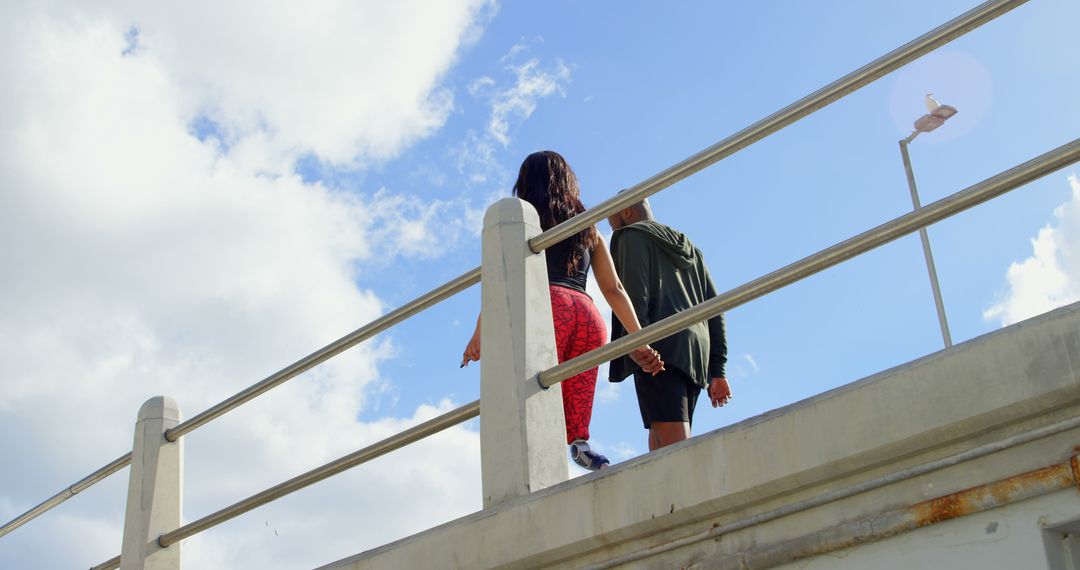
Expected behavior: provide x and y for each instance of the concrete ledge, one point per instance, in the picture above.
(1016, 378)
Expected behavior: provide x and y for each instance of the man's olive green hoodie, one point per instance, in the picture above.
(664, 273)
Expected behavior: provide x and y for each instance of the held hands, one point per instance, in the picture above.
(719, 392)
(648, 359)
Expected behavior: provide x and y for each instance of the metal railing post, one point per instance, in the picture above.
(522, 429)
(155, 489)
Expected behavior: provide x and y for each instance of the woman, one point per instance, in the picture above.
(546, 181)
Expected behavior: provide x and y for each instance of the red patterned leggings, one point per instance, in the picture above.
(579, 328)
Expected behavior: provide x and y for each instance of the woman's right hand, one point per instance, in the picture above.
(648, 359)
(472, 350)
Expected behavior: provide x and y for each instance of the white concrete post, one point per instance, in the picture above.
(155, 489)
(522, 429)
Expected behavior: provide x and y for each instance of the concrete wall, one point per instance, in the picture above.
(651, 512)
(1015, 536)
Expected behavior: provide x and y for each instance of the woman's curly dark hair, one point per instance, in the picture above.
(547, 182)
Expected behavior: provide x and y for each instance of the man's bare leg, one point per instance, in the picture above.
(663, 434)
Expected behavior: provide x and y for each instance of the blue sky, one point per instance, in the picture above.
(194, 196)
(650, 86)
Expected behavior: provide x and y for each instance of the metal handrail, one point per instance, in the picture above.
(440, 293)
(898, 227)
(78, 487)
(378, 449)
(365, 332)
(110, 564)
(847, 84)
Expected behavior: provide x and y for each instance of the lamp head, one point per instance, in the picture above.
(935, 118)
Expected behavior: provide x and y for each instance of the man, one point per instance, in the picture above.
(663, 274)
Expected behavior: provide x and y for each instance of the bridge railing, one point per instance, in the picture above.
(521, 415)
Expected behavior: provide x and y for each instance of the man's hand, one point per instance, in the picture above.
(648, 359)
(719, 392)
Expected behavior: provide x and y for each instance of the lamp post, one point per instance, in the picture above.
(936, 116)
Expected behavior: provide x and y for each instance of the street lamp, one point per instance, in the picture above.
(936, 116)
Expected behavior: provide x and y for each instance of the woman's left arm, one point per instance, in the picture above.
(619, 301)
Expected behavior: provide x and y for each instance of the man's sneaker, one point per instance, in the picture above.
(583, 456)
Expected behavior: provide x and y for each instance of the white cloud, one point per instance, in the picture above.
(753, 363)
(517, 49)
(519, 101)
(477, 160)
(608, 392)
(139, 260)
(476, 156)
(743, 366)
(482, 83)
(420, 228)
(341, 80)
(623, 451)
(1049, 278)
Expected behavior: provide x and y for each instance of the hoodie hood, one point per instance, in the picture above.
(673, 243)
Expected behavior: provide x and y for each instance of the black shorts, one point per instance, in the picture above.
(670, 396)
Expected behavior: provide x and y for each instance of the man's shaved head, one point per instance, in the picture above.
(641, 211)
(631, 214)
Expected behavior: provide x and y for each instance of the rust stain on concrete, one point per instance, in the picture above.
(997, 493)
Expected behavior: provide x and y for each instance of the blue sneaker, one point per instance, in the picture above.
(583, 456)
